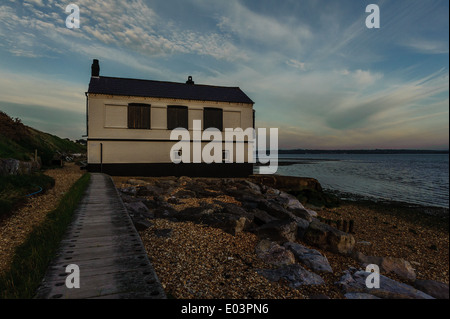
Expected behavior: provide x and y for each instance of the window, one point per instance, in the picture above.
(212, 117)
(139, 116)
(177, 116)
(253, 118)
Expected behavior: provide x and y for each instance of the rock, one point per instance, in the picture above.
(249, 201)
(140, 223)
(201, 192)
(9, 166)
(274, 254)
(233, 209)
(255, 188)
(436, 289)
(150, 203)
(173, 200)
(359, 295)
(212, 216)
(311, 212)
(355, 281)
(184, 193)
(128, 199)
(295, 276)
(270, 192)
(166, 183)
(165, 211)
(278, 230)
(151, 190)
(319, 296)
(292, 201)
(288, 182)
(133, 181)
(164, 233)
(129, 190)
(260, 217)
(302, 213)
(138, 209)
(183, 180)
(311, 258)
(302, 226)
(231, 224)
(279, 212)
(388, 265)
(330, 238)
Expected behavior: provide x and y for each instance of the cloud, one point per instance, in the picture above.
(296, 64)
(37, 90)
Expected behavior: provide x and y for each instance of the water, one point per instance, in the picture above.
(412, 178)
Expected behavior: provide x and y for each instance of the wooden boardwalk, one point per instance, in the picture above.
(104, 244)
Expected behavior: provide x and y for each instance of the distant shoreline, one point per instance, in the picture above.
(376, 151)
(437, 211)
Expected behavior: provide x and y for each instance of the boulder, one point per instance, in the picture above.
(253, 187)
(231, 224)
(184, 193)
(295, 276)
(260, 217)
(274, 254)
(436, 289)
(270, 192)
(291, 201)
(354, 280)
(140, 223)
(151, 190)
(129, 190)
(212, 216)
(165, 211)
(388, 265)
(330, 238)
(134, 181)
(278, 230)
(281, 213)
(311, 258)
(359, 295)
(302, 213)
(233, 209)
(138, 208)
(302, 226)
(163, 233)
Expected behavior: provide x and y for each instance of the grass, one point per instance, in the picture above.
(31, 259)
(19, 141)
(14, 189)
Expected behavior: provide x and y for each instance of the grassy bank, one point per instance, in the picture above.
(33, 256)
(20, 141)
(15, 188)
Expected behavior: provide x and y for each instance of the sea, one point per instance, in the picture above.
(421, 179)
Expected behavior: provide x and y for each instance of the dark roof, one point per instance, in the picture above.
(149, 88)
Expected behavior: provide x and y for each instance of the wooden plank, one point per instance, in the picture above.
(103, 242)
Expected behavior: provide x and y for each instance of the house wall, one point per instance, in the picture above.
(111, 142)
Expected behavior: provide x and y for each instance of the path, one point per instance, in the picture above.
(103, 242)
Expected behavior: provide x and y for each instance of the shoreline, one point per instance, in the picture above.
(437, 211)
(190, 256)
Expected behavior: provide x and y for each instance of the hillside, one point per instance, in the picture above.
(19, 141)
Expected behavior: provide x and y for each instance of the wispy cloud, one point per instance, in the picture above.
(313, 68)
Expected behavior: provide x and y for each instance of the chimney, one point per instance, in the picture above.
(95, 68)
(189, 81)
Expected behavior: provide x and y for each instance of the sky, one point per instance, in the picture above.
(312, 67)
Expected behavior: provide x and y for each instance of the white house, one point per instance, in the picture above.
(129, 122)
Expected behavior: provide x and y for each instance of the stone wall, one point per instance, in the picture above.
(10, 166)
